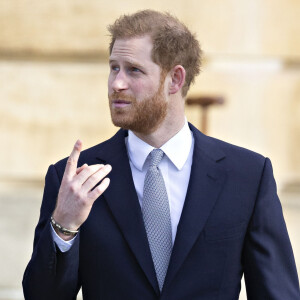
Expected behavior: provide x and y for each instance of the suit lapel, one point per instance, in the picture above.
(123, 201)
(206, 181)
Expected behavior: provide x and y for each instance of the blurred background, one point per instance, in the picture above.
(53, 90)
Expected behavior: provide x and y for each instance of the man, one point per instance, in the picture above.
(184, 216)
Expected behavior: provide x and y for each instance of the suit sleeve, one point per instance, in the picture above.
(50, 273)
(269, 266)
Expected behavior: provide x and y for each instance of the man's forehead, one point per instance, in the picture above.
(132, 47)
(141, 38)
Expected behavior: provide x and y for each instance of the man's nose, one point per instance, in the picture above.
(119, 83)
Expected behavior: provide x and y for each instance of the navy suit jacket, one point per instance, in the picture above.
(231, 224)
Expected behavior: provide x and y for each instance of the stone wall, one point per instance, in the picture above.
(53, 74)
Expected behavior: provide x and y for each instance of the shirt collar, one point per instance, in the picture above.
(176, 149)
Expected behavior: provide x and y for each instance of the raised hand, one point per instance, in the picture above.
(76, 194)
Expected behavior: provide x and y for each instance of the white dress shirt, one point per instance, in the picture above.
(175, 167)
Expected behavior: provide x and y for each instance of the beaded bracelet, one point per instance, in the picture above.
(61, 229)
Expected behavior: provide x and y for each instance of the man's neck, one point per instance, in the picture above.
(163, 133)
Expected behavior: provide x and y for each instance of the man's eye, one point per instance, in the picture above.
(114, 68)
(133, 69)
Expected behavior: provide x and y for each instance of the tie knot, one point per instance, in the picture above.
(156, 156)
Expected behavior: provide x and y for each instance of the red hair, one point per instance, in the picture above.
(173, 43)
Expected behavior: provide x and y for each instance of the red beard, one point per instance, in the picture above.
(142, 116)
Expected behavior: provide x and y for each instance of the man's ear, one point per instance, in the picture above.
(177, 79)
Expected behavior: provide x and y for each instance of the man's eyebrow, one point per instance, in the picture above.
(128, 62)
(111, 61)
(135, 64)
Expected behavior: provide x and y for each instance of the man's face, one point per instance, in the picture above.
(136, 86)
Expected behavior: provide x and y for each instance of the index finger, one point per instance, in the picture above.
(73, 159)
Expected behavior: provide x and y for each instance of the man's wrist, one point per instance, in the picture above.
(62, 232)
(63, 245)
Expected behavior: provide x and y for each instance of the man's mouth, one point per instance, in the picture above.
(120, 103)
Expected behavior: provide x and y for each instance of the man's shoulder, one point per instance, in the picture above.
(235, 150)
(219, 149)
(241, 161)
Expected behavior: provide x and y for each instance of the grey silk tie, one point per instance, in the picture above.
(156, 214)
